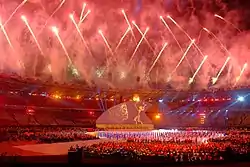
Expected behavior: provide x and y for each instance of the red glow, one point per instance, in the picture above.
(55, 96)
(91, 113)
(30, 111)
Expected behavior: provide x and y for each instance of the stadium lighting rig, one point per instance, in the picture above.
(240, 99)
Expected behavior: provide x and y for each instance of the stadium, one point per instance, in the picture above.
(124, 82)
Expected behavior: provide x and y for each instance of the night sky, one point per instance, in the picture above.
(188, 7)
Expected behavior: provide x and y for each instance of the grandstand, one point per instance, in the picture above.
(67, 105)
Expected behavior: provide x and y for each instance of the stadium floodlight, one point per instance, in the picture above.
(241, 98)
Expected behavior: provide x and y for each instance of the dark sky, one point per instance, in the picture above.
(221, 7)
(243, 7)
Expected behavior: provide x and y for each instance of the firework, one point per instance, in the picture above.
(71, 65)
(106, 42)
(84, 17)
(19, 62)
(196, 46)
(136, 26)
(215, 79)
(171, 32)
(223, 46)
(157, 58)
(6, 35)
(34, 37)
(179, 45)
(169, 17)
(56, 32)
(138, 45)
(32, 33)
(122, 38)
(182, 58)
(191, 80)
(241, 72)
(58, 7)
(49, 67)
(126, 19)
(14, 12)
(16, 38)
(83, 8)
(108, 46)
(228, 22)
(71, 16)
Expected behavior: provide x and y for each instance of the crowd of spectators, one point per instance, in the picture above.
(176, 147)
(44, 134)
(160, 145)
(164, 135)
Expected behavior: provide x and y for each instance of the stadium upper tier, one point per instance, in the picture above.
(30, 92)
(33, 85)
(33, 102)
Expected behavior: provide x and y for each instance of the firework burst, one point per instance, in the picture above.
(106, 38)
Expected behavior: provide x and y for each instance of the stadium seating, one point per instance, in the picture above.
(6, 119)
